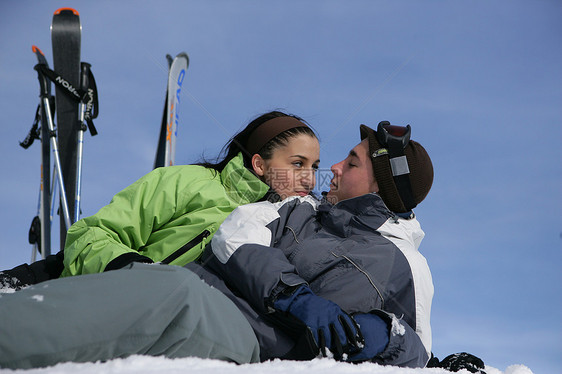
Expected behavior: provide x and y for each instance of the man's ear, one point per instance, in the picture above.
(258, 164)
(375, 187)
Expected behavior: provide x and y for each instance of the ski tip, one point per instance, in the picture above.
(36, 49)
(60, 10)
(184, 56)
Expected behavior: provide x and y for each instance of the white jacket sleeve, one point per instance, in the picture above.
(247, 224)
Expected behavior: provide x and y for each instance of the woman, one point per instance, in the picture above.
(170, 214)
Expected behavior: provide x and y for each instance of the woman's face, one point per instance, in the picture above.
(291, 169)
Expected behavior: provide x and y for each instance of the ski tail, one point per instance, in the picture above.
(166, 150)
(41, 59)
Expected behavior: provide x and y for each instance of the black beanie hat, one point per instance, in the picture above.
(419, 175)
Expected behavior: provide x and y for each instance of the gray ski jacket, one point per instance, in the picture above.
(355, 253)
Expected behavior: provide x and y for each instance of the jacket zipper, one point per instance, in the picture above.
(365, 274)
(192, 243)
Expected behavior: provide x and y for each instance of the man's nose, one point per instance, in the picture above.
(336, 169)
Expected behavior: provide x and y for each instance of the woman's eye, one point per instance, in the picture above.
(315, 167)
(298, 164)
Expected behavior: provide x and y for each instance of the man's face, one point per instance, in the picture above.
(353, 176)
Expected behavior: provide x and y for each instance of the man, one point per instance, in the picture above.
(304, 273)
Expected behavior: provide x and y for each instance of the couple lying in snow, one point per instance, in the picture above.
(290, 277)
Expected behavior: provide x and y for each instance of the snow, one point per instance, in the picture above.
(37, 298)
(149, 365)
(397, 327)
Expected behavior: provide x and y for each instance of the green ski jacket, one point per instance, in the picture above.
(168, 215)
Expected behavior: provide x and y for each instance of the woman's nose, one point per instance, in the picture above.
(308, 179)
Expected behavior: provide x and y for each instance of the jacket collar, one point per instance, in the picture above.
(353, 216)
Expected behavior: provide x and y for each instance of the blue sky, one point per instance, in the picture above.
(480, 82)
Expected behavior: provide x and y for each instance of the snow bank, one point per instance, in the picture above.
(149, 365)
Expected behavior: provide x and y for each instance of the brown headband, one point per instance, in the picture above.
(269, 130)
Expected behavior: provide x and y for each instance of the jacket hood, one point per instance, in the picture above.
(241, 185)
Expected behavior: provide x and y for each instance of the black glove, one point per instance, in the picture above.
(39, 271)
(328, 325)
(458, 361)
(9, 282)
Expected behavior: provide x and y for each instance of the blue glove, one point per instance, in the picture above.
(375, 334)
(328, 325)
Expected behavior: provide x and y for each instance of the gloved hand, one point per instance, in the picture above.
(458, 361)
(10, 282)
(375, 334)
(328, 325)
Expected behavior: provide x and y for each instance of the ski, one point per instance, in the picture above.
(166, 150)
(66, 36)
(40, 230)
(45, 201)
(161, 147)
